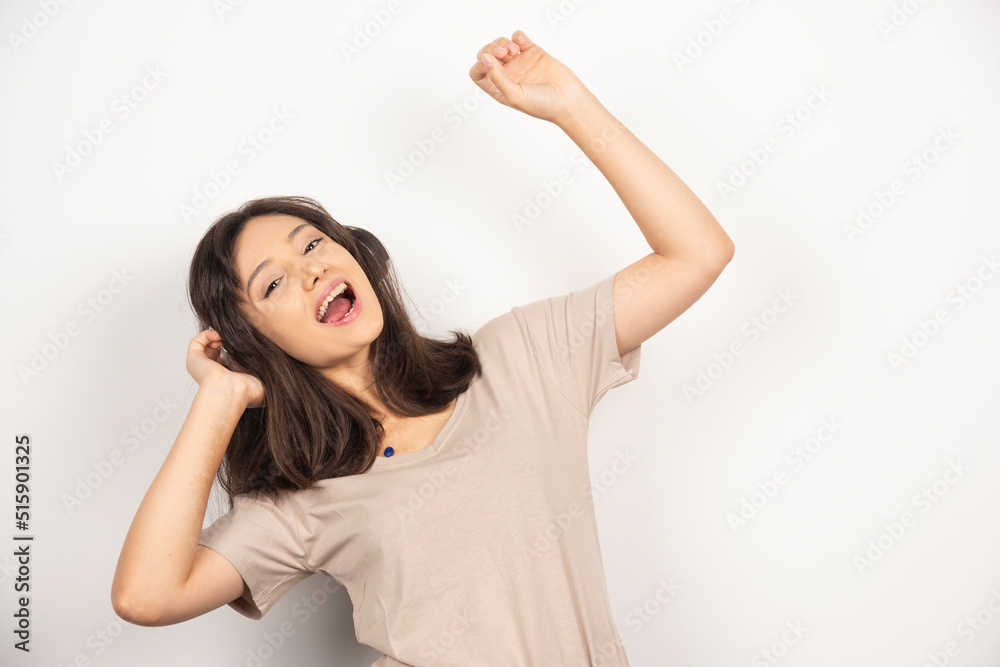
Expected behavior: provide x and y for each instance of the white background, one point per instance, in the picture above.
(856, 299)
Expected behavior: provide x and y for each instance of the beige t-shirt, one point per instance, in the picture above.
(481, 548)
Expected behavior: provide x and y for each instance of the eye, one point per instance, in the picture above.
(312, 244)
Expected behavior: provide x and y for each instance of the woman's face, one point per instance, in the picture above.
(286, 268)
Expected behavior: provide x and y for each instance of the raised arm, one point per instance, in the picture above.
(164, 576)
(689, 247)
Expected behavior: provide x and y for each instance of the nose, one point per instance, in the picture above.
(312, 272)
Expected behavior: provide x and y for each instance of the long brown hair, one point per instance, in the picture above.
(310, 428)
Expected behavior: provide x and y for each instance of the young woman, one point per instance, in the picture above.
(444, 484)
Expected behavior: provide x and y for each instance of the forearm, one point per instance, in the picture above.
(160, 546)
(674, 222)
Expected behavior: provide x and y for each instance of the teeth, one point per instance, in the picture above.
(338, 290)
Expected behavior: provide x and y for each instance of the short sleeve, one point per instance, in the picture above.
(261, 540)
(572, 338)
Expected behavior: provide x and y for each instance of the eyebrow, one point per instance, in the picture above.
(264, 264)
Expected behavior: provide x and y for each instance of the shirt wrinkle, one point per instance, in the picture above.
(533, 346)
(486, 552)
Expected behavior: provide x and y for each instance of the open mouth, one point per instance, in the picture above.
(338, 305)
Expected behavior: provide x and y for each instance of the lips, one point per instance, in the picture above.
(337, 311)
(326, 292)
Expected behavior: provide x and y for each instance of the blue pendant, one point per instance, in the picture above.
(388, 451)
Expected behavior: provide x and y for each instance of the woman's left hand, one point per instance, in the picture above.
(526, 78)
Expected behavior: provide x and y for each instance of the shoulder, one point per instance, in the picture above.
(258, 510)
(529, 318)
(495, 328)
(266, 528)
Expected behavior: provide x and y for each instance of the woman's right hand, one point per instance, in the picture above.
(207, 363)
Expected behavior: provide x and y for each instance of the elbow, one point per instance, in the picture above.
(128, 608)
(727, 252)
(719, 247)
(725, 248)
(720, 256)
(712, 255)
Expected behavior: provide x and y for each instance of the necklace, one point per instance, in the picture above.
(389, 451)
